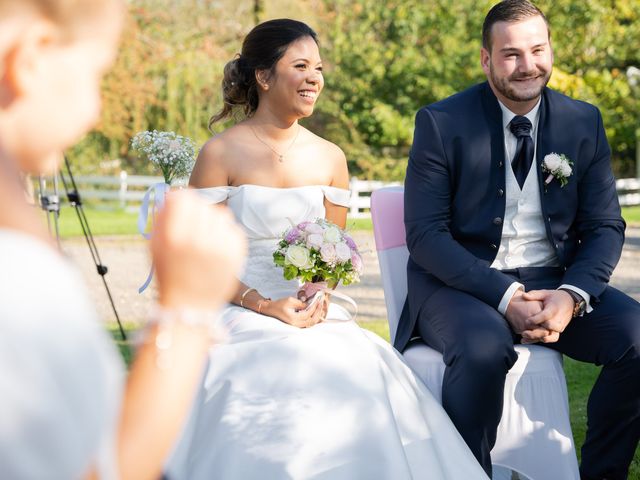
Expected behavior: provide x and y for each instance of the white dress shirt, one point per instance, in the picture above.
(524, 241)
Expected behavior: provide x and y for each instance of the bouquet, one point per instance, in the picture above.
(319, 251)
(174, 154)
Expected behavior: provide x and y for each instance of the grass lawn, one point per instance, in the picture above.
(101, 221)
(580, 378)
(632, 215)
(104, 221)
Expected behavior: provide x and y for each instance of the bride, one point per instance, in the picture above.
(297, 392)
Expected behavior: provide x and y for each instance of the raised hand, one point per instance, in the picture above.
(198, 251)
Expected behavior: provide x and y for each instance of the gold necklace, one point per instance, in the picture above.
(280, 155)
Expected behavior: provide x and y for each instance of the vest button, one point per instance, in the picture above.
(500, 192)
(500, 164)
(497, 221)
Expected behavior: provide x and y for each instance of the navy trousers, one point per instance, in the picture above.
(478, 349)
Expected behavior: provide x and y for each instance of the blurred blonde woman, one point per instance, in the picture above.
(66, 410)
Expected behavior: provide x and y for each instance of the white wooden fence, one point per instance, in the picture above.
(628, 191)
(129, 189)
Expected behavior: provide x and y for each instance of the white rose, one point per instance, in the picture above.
(315, 241)
(565, 169)
(332, 235)
(328, 253)
(343, 252)
(298, 256)
(552, 162)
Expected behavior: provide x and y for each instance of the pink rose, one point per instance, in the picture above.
(343, 252)
(328, 253)
(315, 241)
(314, 228)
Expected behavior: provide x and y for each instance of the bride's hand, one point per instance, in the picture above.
(295, 312)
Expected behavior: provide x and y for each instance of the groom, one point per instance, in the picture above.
(490, 216)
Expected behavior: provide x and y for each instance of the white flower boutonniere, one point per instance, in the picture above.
(558, 166)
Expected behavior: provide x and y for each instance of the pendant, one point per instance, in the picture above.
(280, 158)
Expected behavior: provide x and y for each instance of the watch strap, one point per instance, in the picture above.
(579, 303)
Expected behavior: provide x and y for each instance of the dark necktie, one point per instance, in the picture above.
(521, 127)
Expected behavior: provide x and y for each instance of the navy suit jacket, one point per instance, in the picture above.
(455, 198)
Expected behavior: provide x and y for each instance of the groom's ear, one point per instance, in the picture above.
(485, 60)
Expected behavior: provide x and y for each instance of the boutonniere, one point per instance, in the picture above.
(558, 166)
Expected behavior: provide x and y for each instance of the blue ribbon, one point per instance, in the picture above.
(159, 191)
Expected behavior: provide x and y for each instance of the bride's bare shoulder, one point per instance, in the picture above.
(215, 163)
(333, 156)
(329, 149)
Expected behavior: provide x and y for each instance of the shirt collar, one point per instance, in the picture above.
(507, 115)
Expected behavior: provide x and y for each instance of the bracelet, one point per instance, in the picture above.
(244, 294)
(190, 317)
(260, 302)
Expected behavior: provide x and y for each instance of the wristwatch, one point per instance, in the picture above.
(579, 304)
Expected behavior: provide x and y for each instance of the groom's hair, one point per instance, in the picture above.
(509, 11)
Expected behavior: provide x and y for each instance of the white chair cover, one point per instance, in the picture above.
(534, 435)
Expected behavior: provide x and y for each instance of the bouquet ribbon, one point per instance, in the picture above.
(159, 190)
(346, 298)
(310, 288)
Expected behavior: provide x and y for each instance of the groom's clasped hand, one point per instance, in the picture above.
(539, 315)
(556, 313)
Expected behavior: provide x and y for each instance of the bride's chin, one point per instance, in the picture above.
(304, 112)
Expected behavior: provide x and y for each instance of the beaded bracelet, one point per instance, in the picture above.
(190, 317)
(244, 294)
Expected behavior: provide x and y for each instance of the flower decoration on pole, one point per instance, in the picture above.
(175, 156)
(558, 166)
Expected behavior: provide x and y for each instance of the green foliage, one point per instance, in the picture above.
(393, 57)
(384, 61)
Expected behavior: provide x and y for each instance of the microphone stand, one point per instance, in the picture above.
(51, 204)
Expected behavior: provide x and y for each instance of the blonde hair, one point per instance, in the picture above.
(69, 15)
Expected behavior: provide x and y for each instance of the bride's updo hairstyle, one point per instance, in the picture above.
(261, 50)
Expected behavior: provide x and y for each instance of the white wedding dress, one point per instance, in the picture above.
(331, 402)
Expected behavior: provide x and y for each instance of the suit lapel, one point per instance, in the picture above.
(543, 147)
(494, 116)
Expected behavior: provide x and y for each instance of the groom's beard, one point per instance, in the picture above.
(511, 89)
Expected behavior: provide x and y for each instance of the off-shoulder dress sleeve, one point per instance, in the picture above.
(337, 196)
(215, 194)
